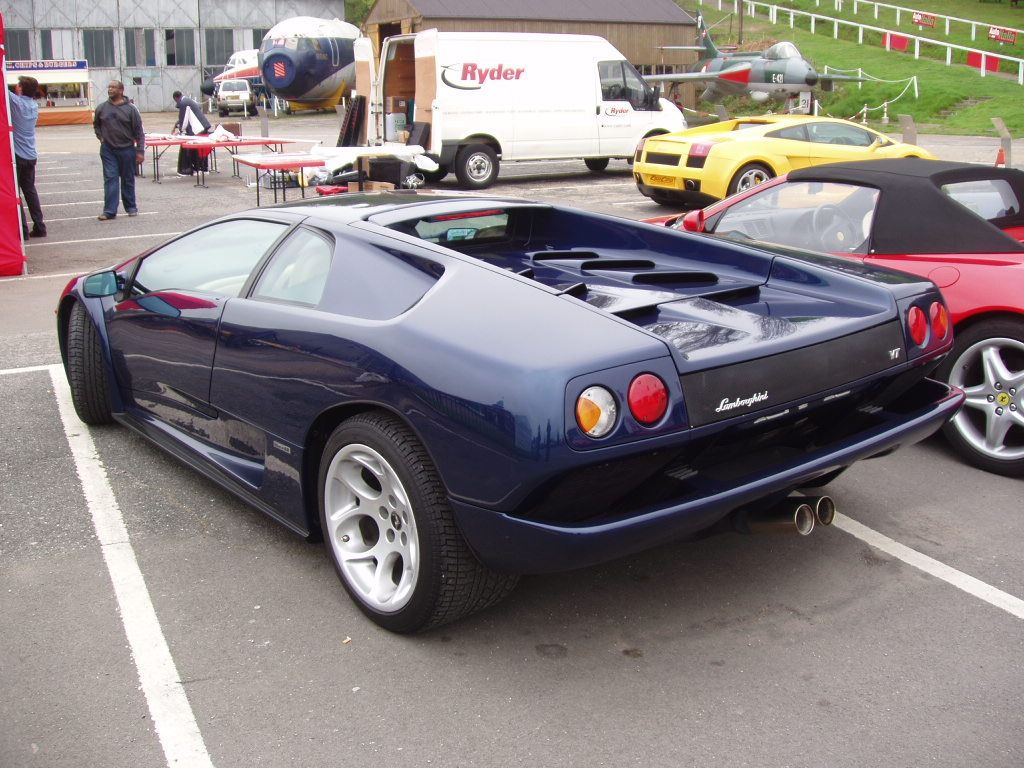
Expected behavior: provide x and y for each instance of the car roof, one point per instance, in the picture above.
(355, 206)
(914, 215)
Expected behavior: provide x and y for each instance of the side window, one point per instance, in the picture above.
(215, 259)
(621, 82)
(793, 133)
(613, 88)
(298, 270)
(838, 133)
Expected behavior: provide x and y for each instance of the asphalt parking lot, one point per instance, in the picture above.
(151, 619)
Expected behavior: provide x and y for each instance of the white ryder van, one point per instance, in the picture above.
(470, 98)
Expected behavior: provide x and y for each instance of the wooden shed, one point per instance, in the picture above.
(638, 29)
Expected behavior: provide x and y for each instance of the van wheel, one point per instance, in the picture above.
(222, 112)
(476, 166)
(596, 163)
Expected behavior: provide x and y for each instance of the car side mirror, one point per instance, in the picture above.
(875, 144)
(102, 284)
(694, 221)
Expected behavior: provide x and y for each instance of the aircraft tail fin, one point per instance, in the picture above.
(704, 40)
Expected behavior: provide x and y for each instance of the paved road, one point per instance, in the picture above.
(840, 649)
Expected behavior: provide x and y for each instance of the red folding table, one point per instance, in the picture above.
(274, 165)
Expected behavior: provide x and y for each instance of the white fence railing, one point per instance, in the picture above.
(901, 10)
(750, 8)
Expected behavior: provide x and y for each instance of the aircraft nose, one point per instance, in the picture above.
(279, 70)
(811, 77)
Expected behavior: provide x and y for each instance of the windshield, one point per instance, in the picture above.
(818, 216)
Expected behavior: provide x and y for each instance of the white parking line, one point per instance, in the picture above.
(172, 715)
(37, 243)
(72, 191)
(958, 579)
(4, 280)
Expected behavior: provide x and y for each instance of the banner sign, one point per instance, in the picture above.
(1001, 35)
(924, 19)
(26, 64)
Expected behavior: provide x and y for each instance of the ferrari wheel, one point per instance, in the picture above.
(750, 175)
(596, 163)
(391, 534)
(476, 166)
(87, 373)
(987, 362)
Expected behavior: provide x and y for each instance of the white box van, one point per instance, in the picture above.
(510, 96)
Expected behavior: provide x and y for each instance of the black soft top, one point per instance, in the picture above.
(914, 215)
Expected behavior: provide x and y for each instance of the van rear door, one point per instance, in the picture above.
(368, 87)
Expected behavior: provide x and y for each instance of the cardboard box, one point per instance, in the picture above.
(377, 186)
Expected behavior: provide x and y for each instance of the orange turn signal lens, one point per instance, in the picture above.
(940, 319)
(596, 411)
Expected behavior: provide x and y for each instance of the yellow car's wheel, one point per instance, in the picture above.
(750, 175)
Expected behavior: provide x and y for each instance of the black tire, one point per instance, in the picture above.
(388, 500)
(750, 175)
(222, 112)
(990, 400)
(476, 166)
(596, 163)
(433, 177)
(87, 372)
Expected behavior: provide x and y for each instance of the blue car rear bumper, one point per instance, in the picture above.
(516, 545)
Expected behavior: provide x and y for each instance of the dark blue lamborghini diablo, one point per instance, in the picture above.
(455, 390)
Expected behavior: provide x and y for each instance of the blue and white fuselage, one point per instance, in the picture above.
(309, 61)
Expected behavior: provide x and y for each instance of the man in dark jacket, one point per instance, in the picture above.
(191, 122)
(118, 126)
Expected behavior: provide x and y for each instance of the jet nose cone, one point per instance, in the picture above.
(279, 70)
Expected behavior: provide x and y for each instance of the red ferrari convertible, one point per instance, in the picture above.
(960, 225)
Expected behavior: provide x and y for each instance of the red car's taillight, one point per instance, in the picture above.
(918, 325)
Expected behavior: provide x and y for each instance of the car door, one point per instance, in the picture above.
(163, 334)
(622, 93)
(792, 143)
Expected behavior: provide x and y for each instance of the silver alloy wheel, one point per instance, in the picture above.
(479, 167)
(751, 178)
(371, 527)
(995, 397)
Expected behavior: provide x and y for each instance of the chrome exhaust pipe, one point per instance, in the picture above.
(791, 516)
(824, 509)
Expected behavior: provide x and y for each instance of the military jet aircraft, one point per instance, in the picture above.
(779, 72)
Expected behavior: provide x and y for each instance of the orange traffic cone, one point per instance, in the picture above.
(1000, 157)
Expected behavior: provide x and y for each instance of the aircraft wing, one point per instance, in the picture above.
(739, 74)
